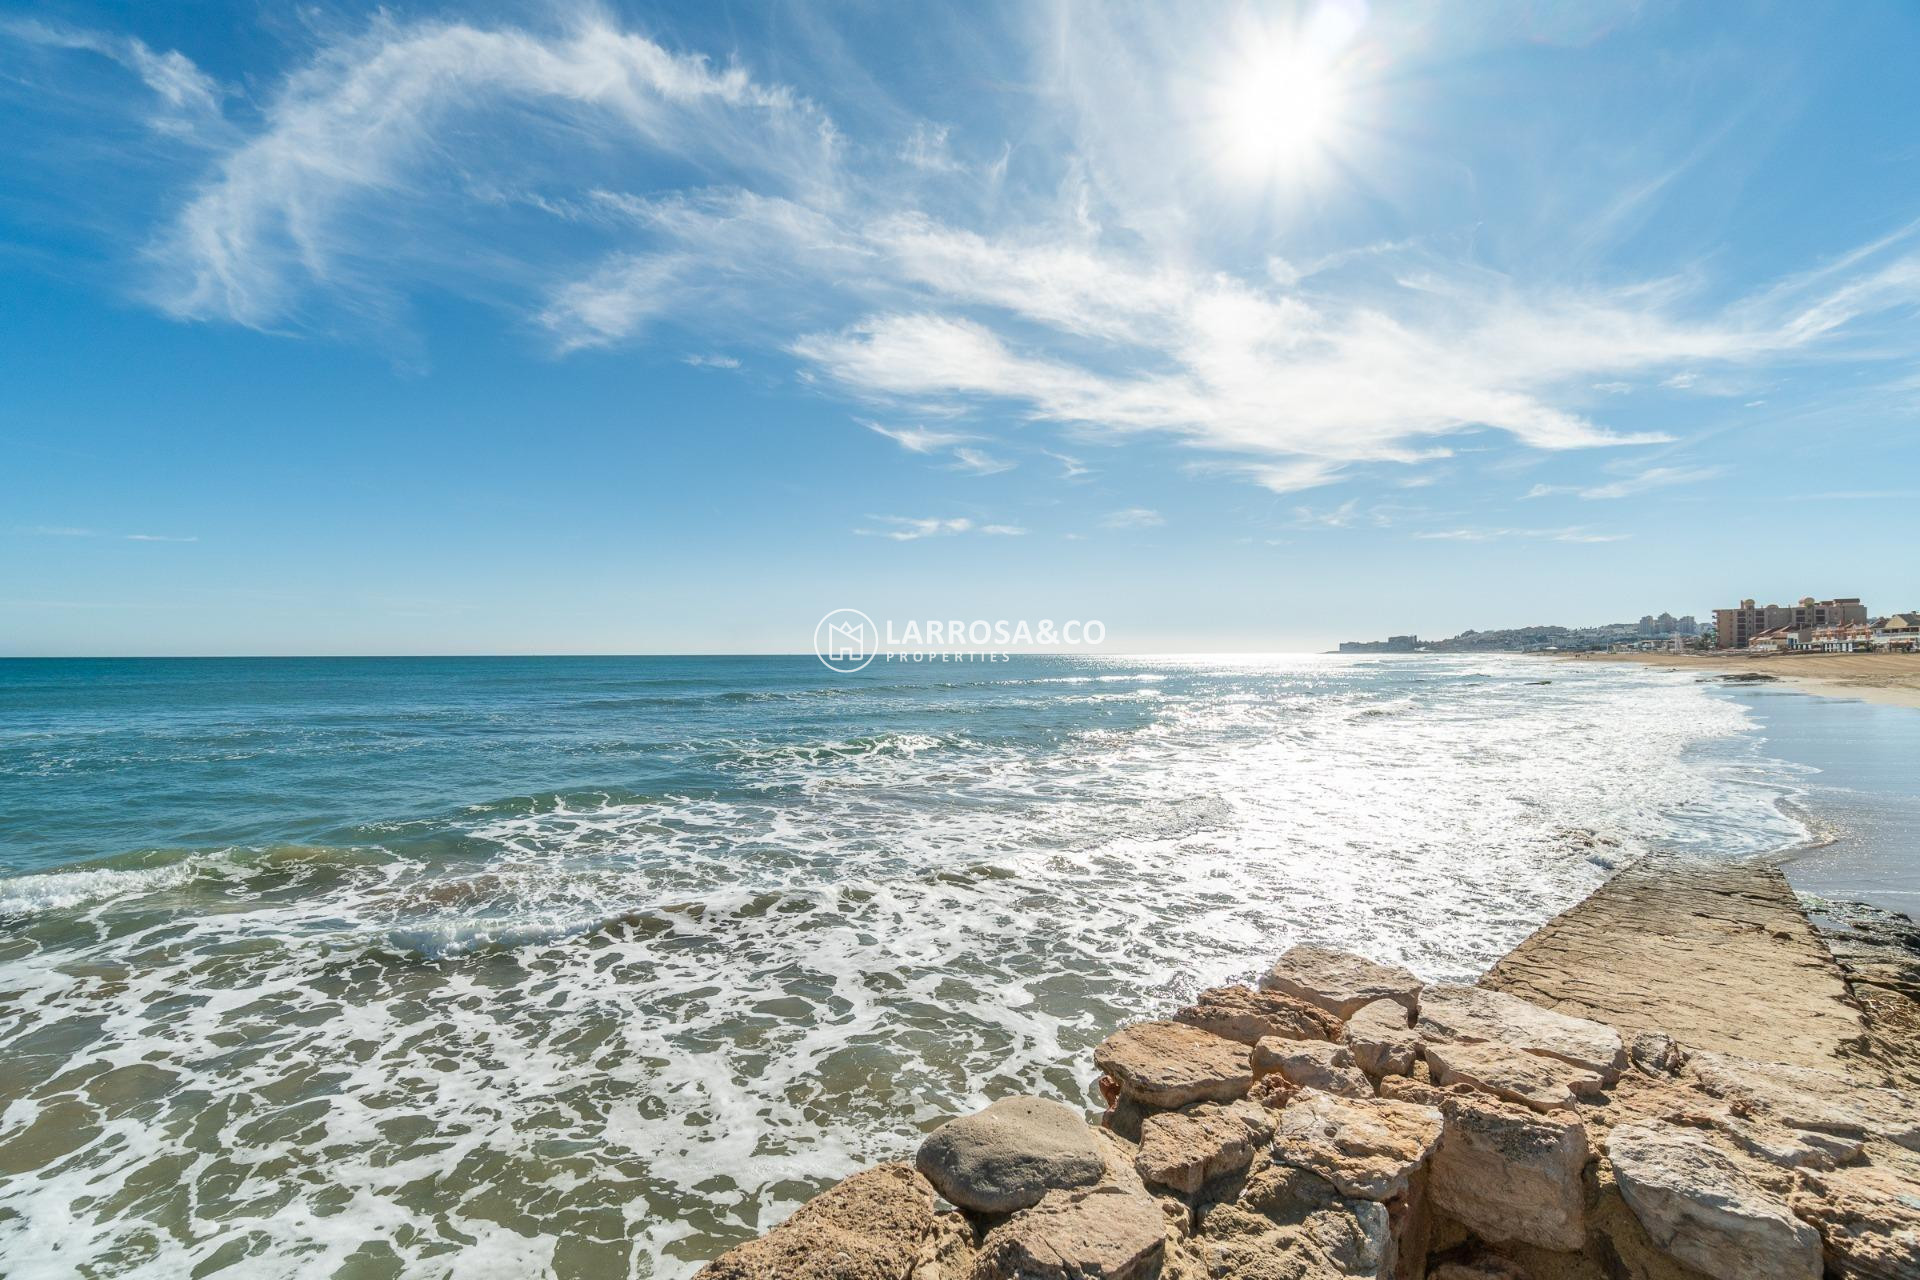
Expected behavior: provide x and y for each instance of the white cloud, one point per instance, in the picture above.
(917, 439)
(1003, 530)
(1642, 481)
(912, 529)
(1573, 534)
(978, 463)
(711, 361)
(1100, 300)
(189, 98)
(1133, 518)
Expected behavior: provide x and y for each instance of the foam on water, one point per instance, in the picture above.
(606, 1030)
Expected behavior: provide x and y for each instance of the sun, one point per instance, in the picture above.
(1276, 109)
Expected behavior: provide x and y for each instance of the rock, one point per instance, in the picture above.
(1186, 1149)
(1009, 1155)
(1482, 1267)
(1655, 1052)
(1311, 1064)
(1544, 1084)
(1806, 1098)
(1451, 1013)
(1339, 982)
(1698, 1206)
(949, 1254)
(872, 1226)
(1869, 1219)
(1788, 1148)
(1367, 1148)
(1098, 1233)
(1508, 1174)
(1249, 1016)
(1170, 1064)
(1288, 1224)
(1381, 1041)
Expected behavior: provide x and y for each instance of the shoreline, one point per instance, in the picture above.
(1888, 679)
(1724, 1106)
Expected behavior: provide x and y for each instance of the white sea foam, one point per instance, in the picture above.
(639, 1027)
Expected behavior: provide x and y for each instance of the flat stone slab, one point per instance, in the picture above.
(1249, 1016)
(1543, 1084)
(1467, 1014)
(1716, 955)
(1700, 1208)
(1010, 1155)
(1338, 981)
(1382, 1042)
(1170, 1064)
(1368, 1148)
(1312, 1064)
(868, 1227)
(1810, 1099)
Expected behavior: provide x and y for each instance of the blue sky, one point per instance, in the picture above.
(637, 328)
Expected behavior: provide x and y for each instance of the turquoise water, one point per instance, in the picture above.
(589, 967)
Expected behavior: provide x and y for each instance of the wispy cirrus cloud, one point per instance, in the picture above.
(1091, 297)
(912, 529)
(1133, 518)
(978, 462)
(78, 531)
(1643, 481)
(1572, 534)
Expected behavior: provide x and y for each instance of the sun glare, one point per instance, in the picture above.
(1277, 110)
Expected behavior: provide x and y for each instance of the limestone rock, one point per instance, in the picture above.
(872, 1226)
(1009, 1155)
(1367, 1148)
(1098, 1233)
(1656, 1053)
(1806, 1098)
(1488, 1267)
(1381, 1041)
(1869, 1218)
(1509, 1174)
(1170, 1064)
(1339, 982)
(1184, 1150)
(1698, 1206)
(1450, 1013)
(949, 1253)
(1311, 1064)
(1289, 1224)
(1249, 1016)
(1544, 1084)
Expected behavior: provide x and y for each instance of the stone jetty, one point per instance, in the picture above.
(1670, 1081)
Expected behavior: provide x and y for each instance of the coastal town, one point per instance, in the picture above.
(1843, 624)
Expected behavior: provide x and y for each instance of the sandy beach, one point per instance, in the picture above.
(1889, 678)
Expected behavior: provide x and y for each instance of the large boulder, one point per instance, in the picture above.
(1381, 1039)
(1097, 1233)
(1809, 1099)
(1544, 1084)
(1249, 1016)
(1698, 1206)
(1311, 1064)
(1170, 1064)
(1186, 1149)
(1508, 1174)
(1340, 982)
(1451, 1013)
(871, 1226)
(1369, 1148)
(1010, 1155)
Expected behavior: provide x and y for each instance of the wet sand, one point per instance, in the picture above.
(1889, 678)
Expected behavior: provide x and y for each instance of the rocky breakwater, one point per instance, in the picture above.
(1345, 1120)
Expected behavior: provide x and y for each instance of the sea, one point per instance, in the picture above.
(589, 967)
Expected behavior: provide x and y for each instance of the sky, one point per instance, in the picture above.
(630, 328)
